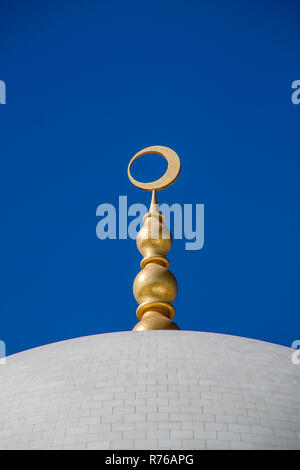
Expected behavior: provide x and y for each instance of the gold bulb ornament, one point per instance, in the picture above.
(155, 287)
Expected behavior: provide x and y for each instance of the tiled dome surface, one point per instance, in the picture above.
(151, 390)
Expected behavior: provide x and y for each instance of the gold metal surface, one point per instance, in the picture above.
(155, 287)
(170, 175)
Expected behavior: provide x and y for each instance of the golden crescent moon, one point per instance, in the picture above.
(170, 175)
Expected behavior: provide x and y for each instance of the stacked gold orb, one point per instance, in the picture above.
(155, 287)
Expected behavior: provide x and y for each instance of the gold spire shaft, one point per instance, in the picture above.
(155, 287)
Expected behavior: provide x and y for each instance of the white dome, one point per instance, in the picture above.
(152, 389)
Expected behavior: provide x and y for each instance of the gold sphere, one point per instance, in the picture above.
(154, 238)
(155, 283)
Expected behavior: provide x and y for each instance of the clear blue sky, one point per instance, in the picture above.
(89, 84)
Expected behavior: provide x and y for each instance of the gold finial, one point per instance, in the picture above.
(155, 287)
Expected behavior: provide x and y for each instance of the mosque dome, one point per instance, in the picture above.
(154, 389)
